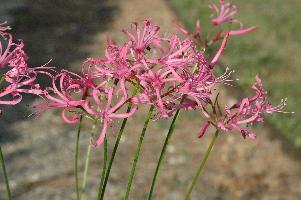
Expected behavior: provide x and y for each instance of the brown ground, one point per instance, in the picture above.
(40, 160)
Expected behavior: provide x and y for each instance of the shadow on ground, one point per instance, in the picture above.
(51, 30)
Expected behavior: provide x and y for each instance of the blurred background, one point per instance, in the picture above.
(39, 150)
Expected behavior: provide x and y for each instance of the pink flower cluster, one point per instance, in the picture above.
(241, 115)
(169, 74)
(18, 77)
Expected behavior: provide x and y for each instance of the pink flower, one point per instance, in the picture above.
(153, 84)
(181, 54)
(168, 78)
(225, 14)
(67, 92)
(260, 103)
(105, 109)
(94, 94)
(199, 86)
(20, 78)
(143, 38)
(115, 66)
(195, 54)
(248, 111)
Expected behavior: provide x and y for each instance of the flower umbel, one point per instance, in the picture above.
(248, 111)
(225, 14)
(19, 77)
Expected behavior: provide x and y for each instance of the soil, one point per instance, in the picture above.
(39, 150)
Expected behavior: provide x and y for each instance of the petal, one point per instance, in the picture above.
(70, 120)
(241, 31)
(220, 51)
(102, 135)
(204, 129)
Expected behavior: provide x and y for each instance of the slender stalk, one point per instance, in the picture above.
(202, 164)
(170, 131)
(85, 176)
(137, 154)
(102, 192)
(9, 196)
(76, 159)
(105, 158)
(113, 154)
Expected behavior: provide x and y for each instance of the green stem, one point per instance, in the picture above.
(105, 158)
(113, 154)
(85, 177)
(9, 196)
(170, 131)
(202, 164)
(76, 159)
(102, 192)
(137, 154)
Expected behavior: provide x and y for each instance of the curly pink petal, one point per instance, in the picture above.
(220, 51)
(241, 31)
